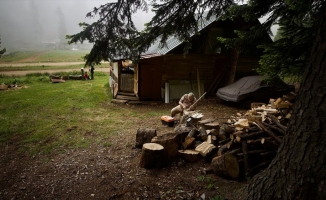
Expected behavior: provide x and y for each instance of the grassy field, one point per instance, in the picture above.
(45, 56)
(43, 116)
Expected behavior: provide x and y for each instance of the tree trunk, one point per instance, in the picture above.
(298, 170)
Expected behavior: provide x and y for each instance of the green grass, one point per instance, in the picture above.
(46, 56)
(43, 116)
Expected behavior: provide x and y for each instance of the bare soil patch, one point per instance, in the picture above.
(113, 172)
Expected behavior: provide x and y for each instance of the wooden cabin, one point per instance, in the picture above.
(165, 74)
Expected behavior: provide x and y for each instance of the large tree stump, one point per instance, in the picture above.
(226, 166)
(171, 143)
(152, 156)
(144, 135)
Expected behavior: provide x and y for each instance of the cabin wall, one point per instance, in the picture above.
(182, 72)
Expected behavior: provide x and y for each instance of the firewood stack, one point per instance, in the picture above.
(238, 147)
(252, 139)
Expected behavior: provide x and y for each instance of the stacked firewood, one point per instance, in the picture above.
(248, 143)
(237, 148)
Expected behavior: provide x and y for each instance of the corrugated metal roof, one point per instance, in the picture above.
(173, 42)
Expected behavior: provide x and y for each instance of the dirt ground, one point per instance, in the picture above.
(113, 172)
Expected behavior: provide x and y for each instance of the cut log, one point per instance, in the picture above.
(226, 166)
(202, 134)
(222, 142)
(205, 121)
(273, 135)
(224, 148)
(171, 143)
(205, 148)
(247, 136)
(212, 125)
(274, 128)
(222, 135)
(276, 121)
(190, 155)
(144, 135)
(152, 156)
(189, 142)
(209, 139)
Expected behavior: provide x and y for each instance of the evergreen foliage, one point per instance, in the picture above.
(115, 36)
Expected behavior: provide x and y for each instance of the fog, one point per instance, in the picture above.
(34, 22)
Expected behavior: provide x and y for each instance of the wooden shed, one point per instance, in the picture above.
(165, 74)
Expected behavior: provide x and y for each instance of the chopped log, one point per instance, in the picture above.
(212, 125)
(152, 156)
(226, 166)
(247, 136)
(224, 148)
(215, 132)
(252, 118)
(243, 123)
(193, 133)
(202, 134)
(276, 121)
(205, 148)
(222, 142)
(235, 151)
(278, 100)
(144, 135)
(170, 142)
(209, 139)
(189, 142)
(245, 158)
(275, 128)
(205, 121)
(234, 135)
(222, 134)
(190, 155)
(214, 140)
(254, 141)
(269, 132)
(182, 128)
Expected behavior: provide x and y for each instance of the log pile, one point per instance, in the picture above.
(238, 147)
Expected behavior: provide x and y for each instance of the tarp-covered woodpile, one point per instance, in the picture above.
(237, 148)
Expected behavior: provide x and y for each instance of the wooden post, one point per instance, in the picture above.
(198, 83)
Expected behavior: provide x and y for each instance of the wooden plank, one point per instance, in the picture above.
(127, 98)
(126, 94)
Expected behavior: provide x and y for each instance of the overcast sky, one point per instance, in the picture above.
(18, 16)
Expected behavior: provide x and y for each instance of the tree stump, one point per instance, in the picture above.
(190, 155)
(171, 143)
(152, 156)
(144, 135)
(226, 166)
